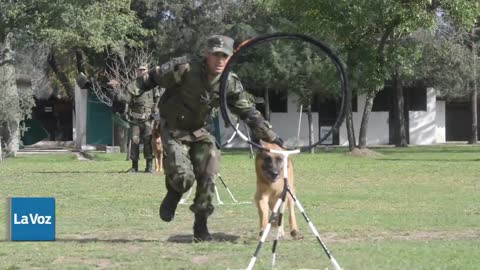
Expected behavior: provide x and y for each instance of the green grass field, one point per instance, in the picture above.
(413, 208)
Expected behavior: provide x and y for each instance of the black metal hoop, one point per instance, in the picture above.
(270, 37)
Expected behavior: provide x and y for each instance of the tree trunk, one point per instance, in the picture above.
(310, 126)
(352, 143)
(399, 107)
(474, 135)
(362, 140)
(62, 77)
(369, 101)
(80, 61)
(267, 104)
(10, 104)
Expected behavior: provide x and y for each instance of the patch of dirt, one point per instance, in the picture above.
(132, 242)
(364, 152)
(98, 263)
(403, 236)
(198, 260)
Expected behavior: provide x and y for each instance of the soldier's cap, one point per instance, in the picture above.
(219, 43)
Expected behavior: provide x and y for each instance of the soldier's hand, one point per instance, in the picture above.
(278, 141)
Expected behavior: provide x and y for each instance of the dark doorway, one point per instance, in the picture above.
(327, 109)
(55, 116)
(458, 121)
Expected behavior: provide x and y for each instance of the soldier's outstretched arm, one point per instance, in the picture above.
(165, 76)
(241, 105)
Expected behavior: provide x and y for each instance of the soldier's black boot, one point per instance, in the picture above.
(169, 205)
(134, 166)
(200, 230)
(149, 167)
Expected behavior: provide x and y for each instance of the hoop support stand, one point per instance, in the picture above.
(278, 210)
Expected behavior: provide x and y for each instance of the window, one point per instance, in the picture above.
(382, 101)
(278, 102)
(326, 108)
(416, 98)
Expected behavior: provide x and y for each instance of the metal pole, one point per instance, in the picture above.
(248, 135)
(225, 185)
(299, 122)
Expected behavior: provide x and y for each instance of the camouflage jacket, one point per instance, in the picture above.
(140, 107)
(189, 97)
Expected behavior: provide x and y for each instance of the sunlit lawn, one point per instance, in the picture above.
(413, 208)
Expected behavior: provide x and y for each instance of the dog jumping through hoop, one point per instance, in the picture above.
(270, 184)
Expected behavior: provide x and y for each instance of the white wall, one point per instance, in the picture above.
(423, 125)
(284, 124)
(377, 131)
(440, 122)
(426, 127)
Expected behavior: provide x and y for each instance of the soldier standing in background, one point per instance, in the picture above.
(142, 106)
(190, 151)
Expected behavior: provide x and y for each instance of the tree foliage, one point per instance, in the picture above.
(70, 24)
(373, 34)
(448, 63)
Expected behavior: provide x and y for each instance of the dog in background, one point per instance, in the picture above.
(157, 149)
(269, 170)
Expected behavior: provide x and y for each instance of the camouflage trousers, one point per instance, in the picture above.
(141, 133)
(188, 159)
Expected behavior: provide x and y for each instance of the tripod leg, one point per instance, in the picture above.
(228, 190)
(279, 229)
(265, 233)
(334, 262)
(184, 200)
(218, 195)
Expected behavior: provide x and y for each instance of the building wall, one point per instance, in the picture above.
(377, 131)
(423, 124)
(426, 127)
(440, 115)
(284, 124)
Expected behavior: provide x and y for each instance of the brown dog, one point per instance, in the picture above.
(270, 183)
(157, 149)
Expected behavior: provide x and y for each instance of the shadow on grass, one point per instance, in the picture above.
(94, 239)
(79, 172)
(188, 238)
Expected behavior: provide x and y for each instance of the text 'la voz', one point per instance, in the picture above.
(32, 219)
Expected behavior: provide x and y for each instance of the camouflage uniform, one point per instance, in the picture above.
(141, 108)
(190, 151)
